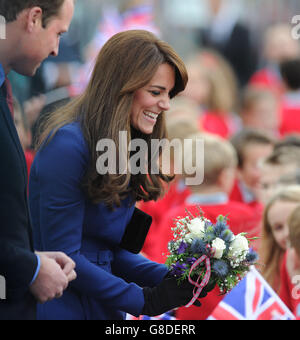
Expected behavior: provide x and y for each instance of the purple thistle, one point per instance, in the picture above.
(178, 269)
(191, 260)
(182, 248)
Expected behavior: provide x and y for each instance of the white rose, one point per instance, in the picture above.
(219, 246)
(238, 246)
(189, 238)
(197, 227)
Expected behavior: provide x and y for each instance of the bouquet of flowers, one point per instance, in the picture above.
(209, 252)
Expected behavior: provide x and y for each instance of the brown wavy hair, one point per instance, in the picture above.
(11, 8)
(126, 63)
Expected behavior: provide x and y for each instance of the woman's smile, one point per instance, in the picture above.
(153, 99)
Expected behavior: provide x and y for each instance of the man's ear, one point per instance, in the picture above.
(34, 18)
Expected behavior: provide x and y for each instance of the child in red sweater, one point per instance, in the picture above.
(282, 163)
(260, 110)
(212, 197)
(290, 270)
(290, 102)
(251, 146)
(213, 86)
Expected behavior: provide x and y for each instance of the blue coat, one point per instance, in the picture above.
(109, 279)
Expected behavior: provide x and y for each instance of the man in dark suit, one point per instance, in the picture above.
(231, 38)
(33, 29)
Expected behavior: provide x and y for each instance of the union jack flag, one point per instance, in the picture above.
(164, 317)
(252, 299)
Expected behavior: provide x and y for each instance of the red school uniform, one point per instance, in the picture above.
(221, 124)
(290, 114)
(238, 194)
(241, 219)
(267, 78)
(289, 293)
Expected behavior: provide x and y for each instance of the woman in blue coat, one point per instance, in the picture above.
(80, 205)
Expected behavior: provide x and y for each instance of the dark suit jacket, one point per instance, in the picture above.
(238, 50)
(18, 262)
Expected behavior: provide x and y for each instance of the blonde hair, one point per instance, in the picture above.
(270, 252)
(221, 77)
(181, 121)
(294, 229)
(253, 94)
(182, 118)
(219, 155)
(183, 107)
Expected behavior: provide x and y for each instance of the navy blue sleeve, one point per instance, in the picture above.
(138, 269)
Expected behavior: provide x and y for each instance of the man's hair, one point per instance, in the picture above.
(10, 9)
(290, 72)
(284, 155)
(251, 95)
(289, 140)
(219, 154)
(248, 137)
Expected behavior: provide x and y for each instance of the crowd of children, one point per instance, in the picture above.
(251, 161)
(251, 164)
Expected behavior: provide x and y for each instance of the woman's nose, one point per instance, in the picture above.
(165, 103)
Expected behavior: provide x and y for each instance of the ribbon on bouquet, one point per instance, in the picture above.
(199, 286)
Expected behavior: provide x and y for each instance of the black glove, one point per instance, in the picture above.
(167, 296)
